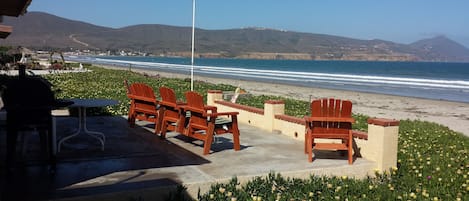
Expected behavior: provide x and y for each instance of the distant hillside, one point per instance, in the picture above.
(441, 48)
(44, 31)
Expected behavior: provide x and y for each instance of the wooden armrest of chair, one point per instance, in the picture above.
(213, 109)
(165, 103)
(330, 119)
(223, 114)
(142, 98)
(182, 107)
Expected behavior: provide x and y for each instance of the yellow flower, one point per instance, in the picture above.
(221, 189)
(337, 189)
(425, 194)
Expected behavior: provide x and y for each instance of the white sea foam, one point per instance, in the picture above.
(305, 76)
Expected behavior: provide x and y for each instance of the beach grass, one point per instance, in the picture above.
(433, 161)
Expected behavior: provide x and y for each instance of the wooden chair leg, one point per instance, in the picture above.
(307, 138)
(159, 121)
(310, 149)
(157, 126)
(306, 143)
(180, 125)
(236, 144)
(209, 137)
(208, 143)
(164, 128)
(235, 132)
(350, 148)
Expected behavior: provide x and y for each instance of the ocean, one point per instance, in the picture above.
(430, 80)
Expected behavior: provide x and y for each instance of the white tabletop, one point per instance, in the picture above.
(92, 102)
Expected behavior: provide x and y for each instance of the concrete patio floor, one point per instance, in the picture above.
(136, 164)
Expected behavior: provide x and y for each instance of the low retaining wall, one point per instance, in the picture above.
(378, 145)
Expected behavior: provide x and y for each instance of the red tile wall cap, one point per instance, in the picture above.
(241, 107)
(360, 135)
(383, 122)
(215, 91)
(291, 119)
(273, 102)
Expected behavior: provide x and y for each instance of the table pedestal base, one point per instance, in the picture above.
(83, 129)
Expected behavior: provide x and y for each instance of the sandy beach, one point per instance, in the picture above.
(454, 115)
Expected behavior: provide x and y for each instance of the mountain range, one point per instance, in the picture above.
(42, 31)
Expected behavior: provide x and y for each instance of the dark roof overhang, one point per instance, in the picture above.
(12, 8)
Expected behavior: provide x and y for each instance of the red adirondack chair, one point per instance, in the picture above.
(330, 119)
(171, 115)
(203, 125)
(143, 104)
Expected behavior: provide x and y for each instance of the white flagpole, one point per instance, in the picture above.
(192, 55)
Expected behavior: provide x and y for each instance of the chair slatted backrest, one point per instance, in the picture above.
(195, 104)
(127, 87)
(142, 89)
(168, 97)
(169, 104)
(331, 108)
(144, 96)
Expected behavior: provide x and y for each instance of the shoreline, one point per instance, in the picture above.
(454, 115)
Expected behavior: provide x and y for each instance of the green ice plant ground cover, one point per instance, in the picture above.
(105, 83)
(433, 161)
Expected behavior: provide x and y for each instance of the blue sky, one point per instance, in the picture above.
(402, 21)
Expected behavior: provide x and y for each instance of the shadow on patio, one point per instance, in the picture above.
(137, 164)
(81, 160)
